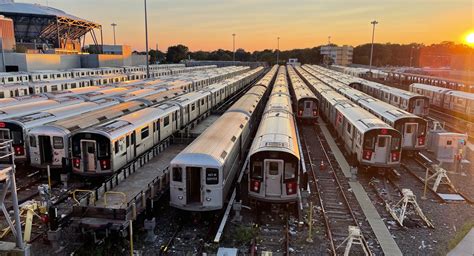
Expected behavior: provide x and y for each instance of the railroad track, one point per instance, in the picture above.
(337, 209)
(273, 232)
(453, 123)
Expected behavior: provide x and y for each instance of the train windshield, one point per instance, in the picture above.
(369, 143)
(102, 144)
(177, 174)
(257, 170)
(290, 171)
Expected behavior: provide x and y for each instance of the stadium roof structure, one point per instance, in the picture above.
(38, 23)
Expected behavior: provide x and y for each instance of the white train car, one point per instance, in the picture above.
(305, 102)
(13, 78)
(13, 90)
(411, 102)
(49, 75)
(17, 128)
(25, 109)
(274, 156)
(457, 103)
(412, 127)
(202, 176)
(105, 148)
(58, 85)
(46, 150)
(107, 79)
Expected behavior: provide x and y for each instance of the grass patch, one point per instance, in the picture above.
(460, 234)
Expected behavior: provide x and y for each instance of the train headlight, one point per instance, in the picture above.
(208, 199)
(180, 197)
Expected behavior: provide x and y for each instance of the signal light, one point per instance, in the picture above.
(105, 164)
(255, 186)
(291, 188)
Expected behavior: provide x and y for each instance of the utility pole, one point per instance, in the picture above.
(278, 50)
(113, 26)
(233, 47)
(329, 40)
(411, 55)
(146, 44)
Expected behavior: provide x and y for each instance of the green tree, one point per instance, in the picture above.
(176, 53)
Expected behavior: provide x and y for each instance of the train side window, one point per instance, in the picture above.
(116, 146)
(166, 121)
(193, 107)
(32, 141)
(212, 176)
(177, 174)
(58, 142)
(145, 132)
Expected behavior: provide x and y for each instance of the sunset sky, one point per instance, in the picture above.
(209, 24)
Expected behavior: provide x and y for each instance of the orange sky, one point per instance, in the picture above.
(209, 24)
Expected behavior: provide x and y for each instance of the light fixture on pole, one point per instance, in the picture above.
(233, 47)
(372, 47)
(278, 50)
(113, 26)
(146, 44)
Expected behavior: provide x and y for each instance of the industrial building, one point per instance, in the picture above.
(338, 55)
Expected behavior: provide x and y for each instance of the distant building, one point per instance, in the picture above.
(338, 55)
(293, 62)
(7, 34)
(125, 50)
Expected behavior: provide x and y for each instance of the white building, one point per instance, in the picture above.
(338, 55)
(293, 62)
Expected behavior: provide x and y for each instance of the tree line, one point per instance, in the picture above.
(443, 54)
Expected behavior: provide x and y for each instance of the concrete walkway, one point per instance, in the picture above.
(465, 247)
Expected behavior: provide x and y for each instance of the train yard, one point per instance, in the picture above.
(285, 160)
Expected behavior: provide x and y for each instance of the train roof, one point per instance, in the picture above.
(461, 94)
(360, 118)
(119, 126)
(190, 97)
(246, 104)
(430, 87)
(386, 110)
(212, 147)
(99, 116)
(42, 117)
(22, 100)
(24, 109)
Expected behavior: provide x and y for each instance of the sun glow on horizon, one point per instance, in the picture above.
(470, 38)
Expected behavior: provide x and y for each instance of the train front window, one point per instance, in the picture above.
(290, 171)
(369, 143)
(177, 174)
(212, 176)
(103, 149)
(395, 143)
(382, 141)
(257, 171)
(17, 137)
(273, 168)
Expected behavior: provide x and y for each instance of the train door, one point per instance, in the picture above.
(273, 177)
(4, 136)
(382, 148)
(45, 149)
(133, 142)
(129, 147)
(193, 184)
(88, 150)
(419, 107)
(409, 134)
(308, 108)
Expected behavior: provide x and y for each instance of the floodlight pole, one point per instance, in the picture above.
(278, 50)
(146, 44)
(233, 48)
(113, 26)
(372, 47)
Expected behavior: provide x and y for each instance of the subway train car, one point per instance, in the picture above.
(202, 176)
(457, 103)
(17, 128)
(25, 109)
(411, 102)
(305, 102)
(274, 155)
(412, 127)
(105, 148)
